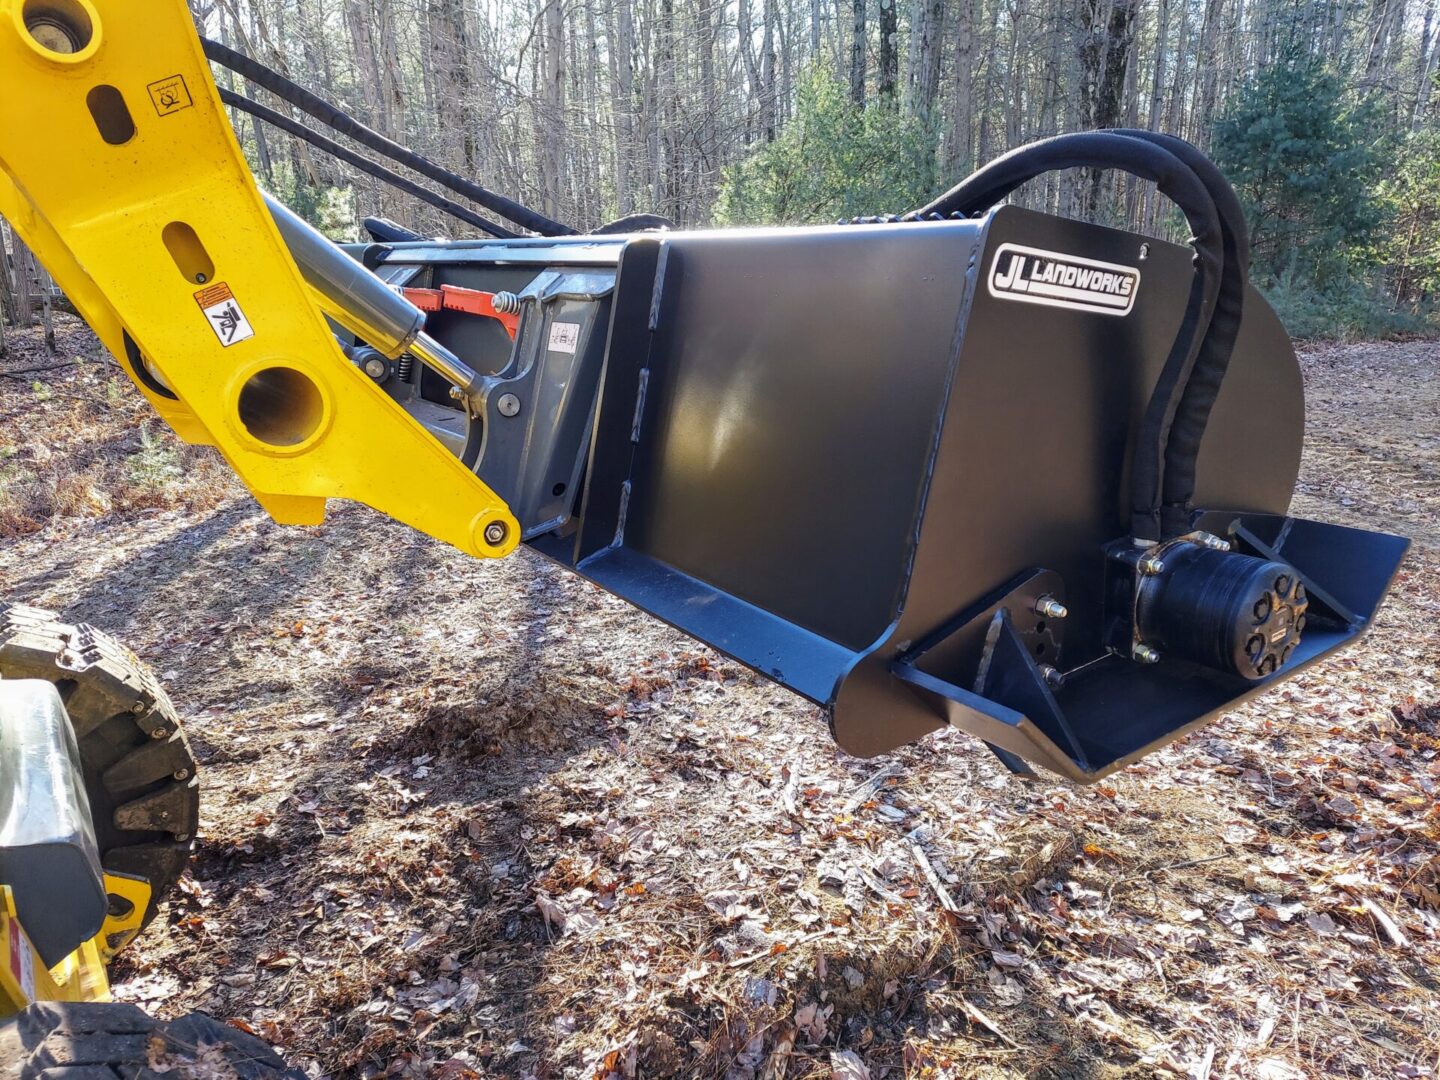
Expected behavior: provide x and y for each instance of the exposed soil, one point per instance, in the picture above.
(466, 818)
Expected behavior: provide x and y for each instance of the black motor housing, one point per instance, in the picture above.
(1234, 613)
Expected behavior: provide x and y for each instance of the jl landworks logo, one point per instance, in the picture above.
(1058, 280)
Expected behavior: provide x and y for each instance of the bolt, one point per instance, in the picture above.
(509, 405)
(1144, 653)
(200, 279)
(1213, 542)
(159, 733)
(1051, 608)
(456, 393)
(181, 774)
(375, 368)
(1282, 584)
(1052, 676)
(138, 708)
(1144, 252)
(1151, 565)
(495, 533)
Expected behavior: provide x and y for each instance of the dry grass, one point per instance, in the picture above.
(464, 818)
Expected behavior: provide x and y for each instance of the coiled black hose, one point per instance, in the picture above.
(1178, 182)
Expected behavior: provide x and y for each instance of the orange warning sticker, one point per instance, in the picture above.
(223, 313)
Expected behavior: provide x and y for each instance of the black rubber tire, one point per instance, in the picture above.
(56, 1040)
(139, 771)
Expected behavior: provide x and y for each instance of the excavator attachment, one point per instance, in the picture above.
(120, 170)
(974, 466)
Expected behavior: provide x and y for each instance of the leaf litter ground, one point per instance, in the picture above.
(474, 819)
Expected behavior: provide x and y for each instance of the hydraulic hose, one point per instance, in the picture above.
(364, 164)
(1178, 182)
(322, 110)
(1183, 448)
(635, 223)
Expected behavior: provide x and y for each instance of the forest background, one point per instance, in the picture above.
(1324, 113)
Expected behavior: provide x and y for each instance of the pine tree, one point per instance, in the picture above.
(1301, 154)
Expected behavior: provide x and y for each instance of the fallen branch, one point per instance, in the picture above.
(974, 1013)
(17, 372)
(933, 878)
(866, 791)
(1390, 926)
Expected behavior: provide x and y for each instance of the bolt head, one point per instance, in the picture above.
(1213, 542)
(375, 367)
(1144, 653)
(1052, 676)
(508, 405)
(495, 533)
(1150, 566)
(456, 393)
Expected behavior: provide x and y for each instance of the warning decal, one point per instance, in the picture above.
(169, 95)
(564, 336)
(223, 312)
(22, 964)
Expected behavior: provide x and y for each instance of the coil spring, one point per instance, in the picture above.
(404, 366)
(505, 303)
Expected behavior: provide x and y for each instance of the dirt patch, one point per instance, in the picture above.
(464, 818)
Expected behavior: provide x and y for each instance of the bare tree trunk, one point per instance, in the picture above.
(1426, 66)
(9, 308)
(857, 53)
(623, 80)
(709, 102)
(24, 299)
(768, 121)
(889, 71)
(922, 82)
(958, 157)
(552, 100)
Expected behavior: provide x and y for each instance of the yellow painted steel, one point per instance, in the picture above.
(24, 979)
(119, 169)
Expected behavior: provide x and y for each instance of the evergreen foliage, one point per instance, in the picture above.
(1303, 158)
(833, 160)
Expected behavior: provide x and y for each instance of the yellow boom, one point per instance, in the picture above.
(120, 170)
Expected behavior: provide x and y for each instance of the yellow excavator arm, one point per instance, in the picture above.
(120, 170)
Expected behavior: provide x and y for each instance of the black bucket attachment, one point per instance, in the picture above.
(886, 465)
